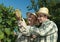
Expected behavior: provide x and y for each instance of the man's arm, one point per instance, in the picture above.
(45, 29)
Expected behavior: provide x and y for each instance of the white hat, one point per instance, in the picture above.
(33, 13)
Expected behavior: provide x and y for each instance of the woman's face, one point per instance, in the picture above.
(31, 20)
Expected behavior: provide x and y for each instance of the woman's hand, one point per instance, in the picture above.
(23, 23)
(34, 36)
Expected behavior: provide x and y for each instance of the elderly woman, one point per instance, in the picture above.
(25, 30)
(32, 23)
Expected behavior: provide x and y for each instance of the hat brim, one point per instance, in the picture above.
(43, 13)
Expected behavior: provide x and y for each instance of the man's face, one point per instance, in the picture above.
(41, 18)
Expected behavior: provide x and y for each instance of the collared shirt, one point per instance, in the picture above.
(48, 31)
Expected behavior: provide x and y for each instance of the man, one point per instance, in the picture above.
(48, 30)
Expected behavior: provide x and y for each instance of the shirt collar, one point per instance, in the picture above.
(45, 21)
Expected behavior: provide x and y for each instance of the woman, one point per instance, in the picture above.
(24, 32)
(32, 22)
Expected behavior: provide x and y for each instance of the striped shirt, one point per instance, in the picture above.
(48, 31)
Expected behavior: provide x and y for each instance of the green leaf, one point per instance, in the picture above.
(8, 40)
(1, 35)
(7, 31)
(13, 18)
(9, 22)
(0, 20)
(1, 26)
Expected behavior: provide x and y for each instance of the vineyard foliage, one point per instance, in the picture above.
(7, 23)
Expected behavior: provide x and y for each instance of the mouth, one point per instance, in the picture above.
(39, 19)
(29, 22)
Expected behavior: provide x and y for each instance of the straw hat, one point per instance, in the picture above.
(43, 10)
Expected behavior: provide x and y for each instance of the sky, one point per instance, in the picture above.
(18, 4)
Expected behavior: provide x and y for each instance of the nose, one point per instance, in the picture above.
(29, 18)
(38, 18)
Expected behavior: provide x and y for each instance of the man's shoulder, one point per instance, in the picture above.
(49, 22)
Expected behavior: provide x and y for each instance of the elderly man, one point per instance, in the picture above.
(48, 30)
